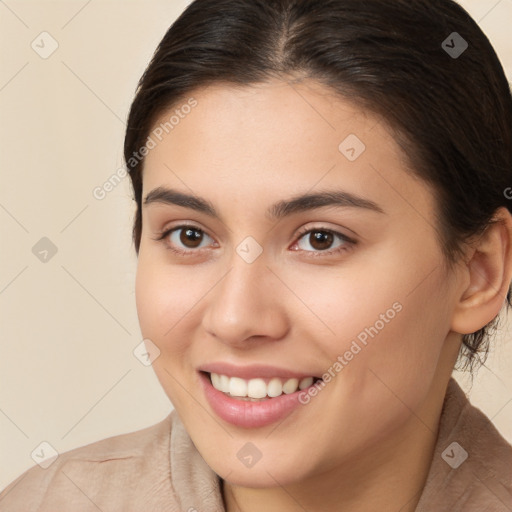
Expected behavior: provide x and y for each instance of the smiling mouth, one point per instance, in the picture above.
(258, 389)
(254, 402)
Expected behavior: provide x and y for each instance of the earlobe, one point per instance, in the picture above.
(487, 274)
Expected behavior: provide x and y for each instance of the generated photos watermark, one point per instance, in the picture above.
(357, 345)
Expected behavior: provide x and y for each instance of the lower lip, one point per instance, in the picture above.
(249, 414)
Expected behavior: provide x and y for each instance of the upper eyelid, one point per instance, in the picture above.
(306, 230)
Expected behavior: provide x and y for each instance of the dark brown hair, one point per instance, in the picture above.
(451, 113)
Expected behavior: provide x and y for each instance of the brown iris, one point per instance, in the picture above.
(191, 236)
(324, 239)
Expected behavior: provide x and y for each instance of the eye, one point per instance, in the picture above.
(323, 240)
(184, 239)
(187, 240)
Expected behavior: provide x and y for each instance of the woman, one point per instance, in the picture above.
(323, 232)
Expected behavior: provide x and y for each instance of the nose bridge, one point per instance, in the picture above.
(248, 274)
(244, 302)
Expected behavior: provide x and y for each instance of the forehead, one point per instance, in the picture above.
(275, 139)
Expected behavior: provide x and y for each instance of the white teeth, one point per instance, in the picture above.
(257, 388)
(215, 380)
(275, 387)
(224, 384)
(237, 387)
(305, 383)
(290, 386)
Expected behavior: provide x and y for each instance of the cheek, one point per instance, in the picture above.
(165, 301)
(383, 318)
(161, 297)
(169, 301)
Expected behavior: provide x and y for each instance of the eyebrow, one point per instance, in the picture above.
(301, 203)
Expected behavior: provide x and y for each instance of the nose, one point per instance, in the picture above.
(247, 304)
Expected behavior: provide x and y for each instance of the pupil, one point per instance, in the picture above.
(323, 238)
(191, 235)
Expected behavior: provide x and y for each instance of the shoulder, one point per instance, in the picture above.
(471, 468)
(489, 460)
(129, 468)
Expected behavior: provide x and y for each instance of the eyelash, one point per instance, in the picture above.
(348, 242)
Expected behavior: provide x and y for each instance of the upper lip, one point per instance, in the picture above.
(252, 371)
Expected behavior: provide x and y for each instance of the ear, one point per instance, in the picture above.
(486, 275)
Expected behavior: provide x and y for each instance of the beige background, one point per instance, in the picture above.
(69, 326)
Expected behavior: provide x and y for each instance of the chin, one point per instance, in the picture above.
(267, 472)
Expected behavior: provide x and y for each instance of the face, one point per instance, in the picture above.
(267, 288)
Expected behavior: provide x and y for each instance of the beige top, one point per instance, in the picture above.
(159, 469)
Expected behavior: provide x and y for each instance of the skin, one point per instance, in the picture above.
(365, 442)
